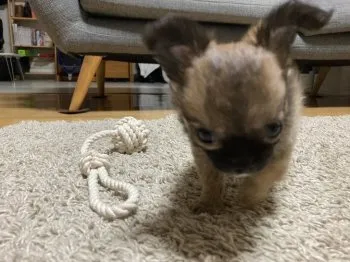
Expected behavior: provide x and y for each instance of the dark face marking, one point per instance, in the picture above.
(241, 155)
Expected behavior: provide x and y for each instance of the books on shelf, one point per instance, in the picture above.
(27, 36)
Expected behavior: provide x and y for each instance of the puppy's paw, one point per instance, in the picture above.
(249, 201)
(250, 197)
(208, 207)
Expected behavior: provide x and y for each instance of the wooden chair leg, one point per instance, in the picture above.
(322, 74)
(86, 75)
(100, 79)
(131, 72)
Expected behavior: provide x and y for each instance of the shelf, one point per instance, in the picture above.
(24, 18)
(33, 46)
(31, 52)
(35, 56)
(40, 73)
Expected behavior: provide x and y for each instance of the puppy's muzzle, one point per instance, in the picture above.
(241, 155)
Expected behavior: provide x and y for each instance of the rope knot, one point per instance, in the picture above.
(131, 136)
(93, 160)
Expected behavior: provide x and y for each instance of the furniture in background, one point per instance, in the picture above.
(29, 41)
(2, 41)
(112, 29)
(9, 64)
(9, 57)
(68, 67)
(33, 44)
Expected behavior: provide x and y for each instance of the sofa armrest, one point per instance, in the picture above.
(58, 19)
(75, 31)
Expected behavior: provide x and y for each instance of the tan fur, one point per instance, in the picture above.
(256, 188)
(204, 83)
(236, 90)
(212, 181)
(268, 78)
(251, 36)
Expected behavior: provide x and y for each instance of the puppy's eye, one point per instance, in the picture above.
(205, 136)
(273, 129)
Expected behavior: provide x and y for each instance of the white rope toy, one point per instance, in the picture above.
(130, 136)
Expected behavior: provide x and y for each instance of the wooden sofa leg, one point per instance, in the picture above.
(100, 79)
(86, 75)
(322, 74)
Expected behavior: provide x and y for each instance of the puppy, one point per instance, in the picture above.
(239, 102)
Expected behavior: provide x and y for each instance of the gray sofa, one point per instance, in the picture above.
(113, 29)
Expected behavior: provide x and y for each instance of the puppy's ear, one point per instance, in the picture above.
(278, 30)
(175, 41)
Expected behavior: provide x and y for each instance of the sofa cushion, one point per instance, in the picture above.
(219, 11)
(73, 32)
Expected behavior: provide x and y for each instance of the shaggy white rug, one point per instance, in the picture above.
(45, 215)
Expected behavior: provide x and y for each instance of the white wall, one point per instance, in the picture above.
(4, 17)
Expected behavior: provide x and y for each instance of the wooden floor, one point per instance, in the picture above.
(14, 115)
(142, 102)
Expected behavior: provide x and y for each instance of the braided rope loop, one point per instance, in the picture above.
(130, 136)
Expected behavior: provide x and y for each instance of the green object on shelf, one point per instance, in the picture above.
(21, 52)
(27, 52)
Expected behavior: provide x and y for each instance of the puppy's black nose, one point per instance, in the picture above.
(241, 155)
(239, 170)
(232, 166)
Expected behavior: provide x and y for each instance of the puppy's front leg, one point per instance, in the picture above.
(212, 183)
(256, 187)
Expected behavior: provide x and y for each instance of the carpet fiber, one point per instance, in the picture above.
(45, 215)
